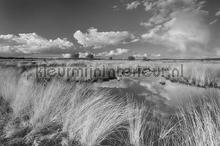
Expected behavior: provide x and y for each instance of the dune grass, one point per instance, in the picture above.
(199, 74)
(58, 112)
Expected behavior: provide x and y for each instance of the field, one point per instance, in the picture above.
(109, 103)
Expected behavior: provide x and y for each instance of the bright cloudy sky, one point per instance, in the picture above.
(119, 28)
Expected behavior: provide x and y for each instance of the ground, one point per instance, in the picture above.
(79, 102)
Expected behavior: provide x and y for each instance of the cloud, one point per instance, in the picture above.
(115, 52)
(213, 22)
(163, 9)
(140, 55)
(132, 5)
(217, 13)
(66, 55)
(30, 43)
(155, 55)
(146, 24)
(177, 24)
(97, 40)
(217, 51)
(148, 5)
(115, 7)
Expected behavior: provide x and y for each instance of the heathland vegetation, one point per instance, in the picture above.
(54, 109)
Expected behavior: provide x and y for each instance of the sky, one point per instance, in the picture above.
(105, 28)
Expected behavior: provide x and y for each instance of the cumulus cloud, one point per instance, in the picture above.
(177, 24)
(30, 43)
(66, 55)
(182, 30)
(83, 54)
(115, 52)
(163, 9)
(155, 55)
(140, 55)
(97, 40)
(217, 51)
(218, 13)
(148, 5)
(132, 5)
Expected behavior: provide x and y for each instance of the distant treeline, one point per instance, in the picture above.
(110, 58)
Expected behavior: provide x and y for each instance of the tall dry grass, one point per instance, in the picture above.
(8, 82)
(200, 119)
(58, 112)
(200, 74)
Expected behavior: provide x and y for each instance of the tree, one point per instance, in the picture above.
(75, 55)
(131, 58)
(146, 59)
(90, 56)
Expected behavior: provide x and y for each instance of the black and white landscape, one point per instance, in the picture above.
(109, 73)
